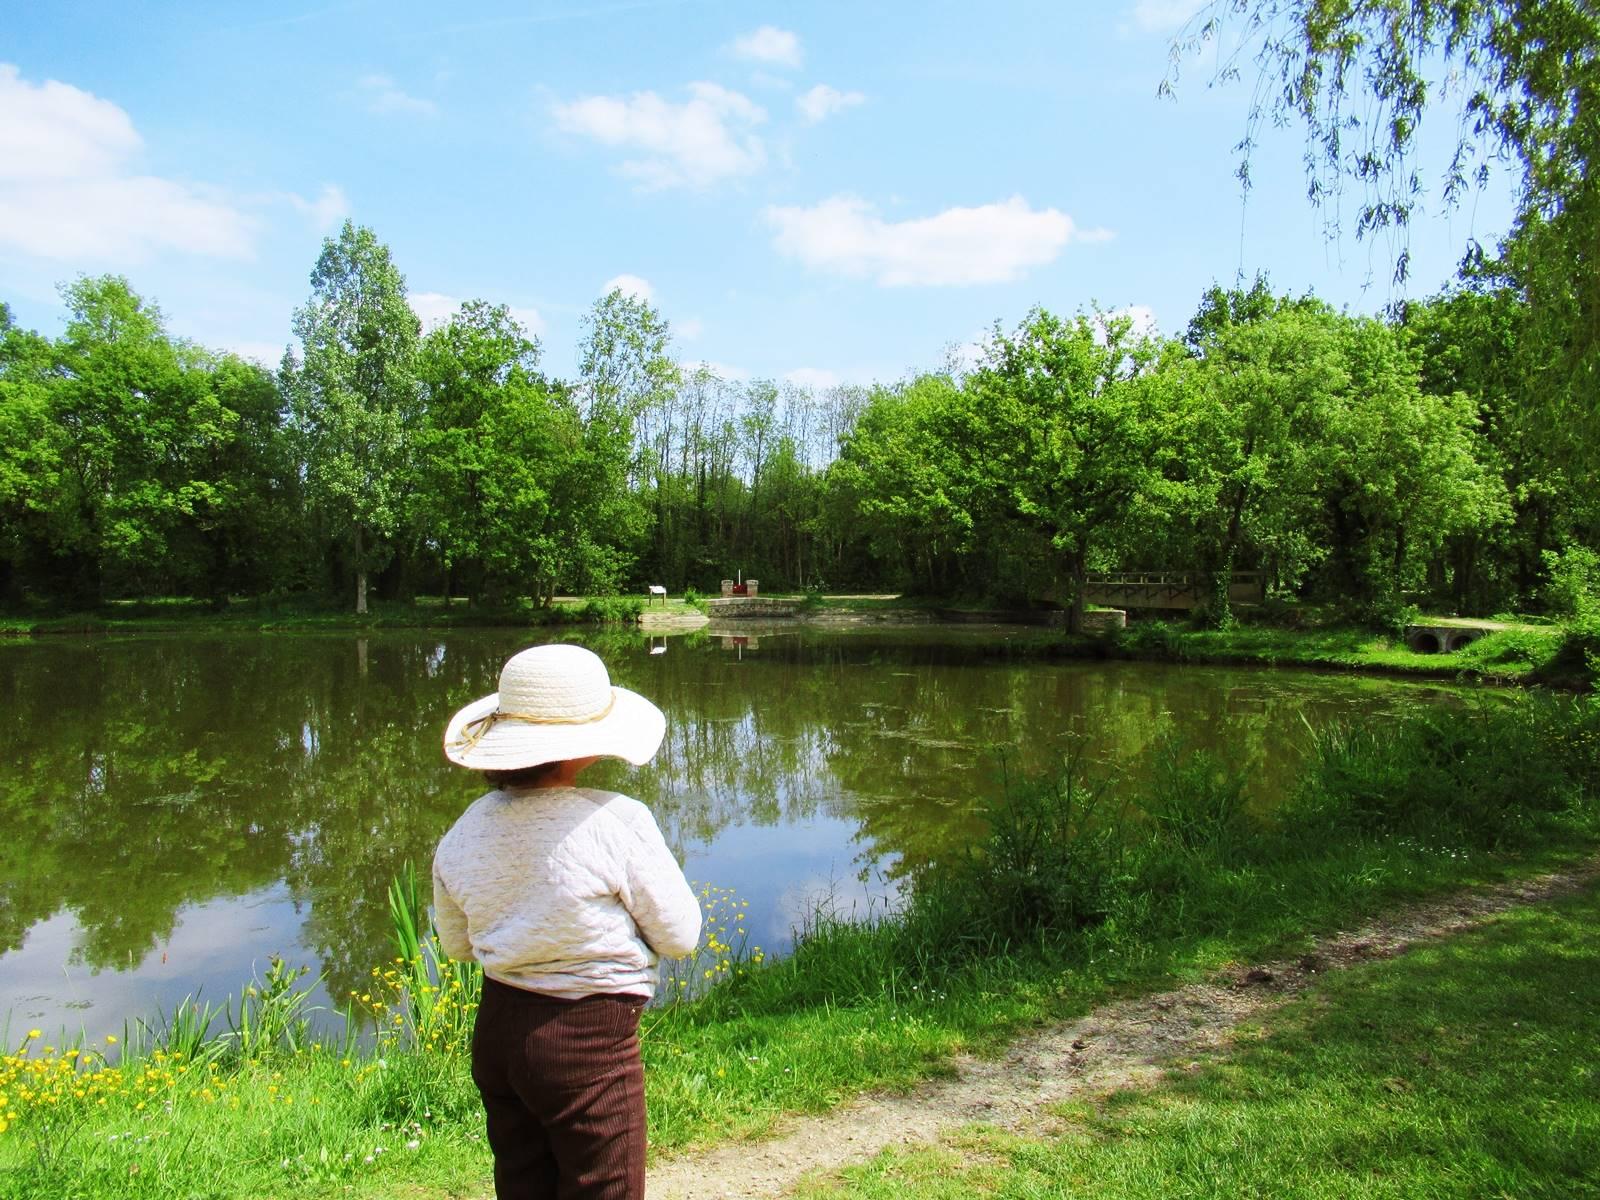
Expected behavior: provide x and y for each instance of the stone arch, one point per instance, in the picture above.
(1425, 641)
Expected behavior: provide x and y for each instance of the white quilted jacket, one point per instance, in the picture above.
(565, 891)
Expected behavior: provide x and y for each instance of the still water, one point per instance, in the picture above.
(176, 810)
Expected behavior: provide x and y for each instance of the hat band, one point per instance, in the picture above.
(474, 730)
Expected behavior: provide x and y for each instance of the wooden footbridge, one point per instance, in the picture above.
(1169, 589)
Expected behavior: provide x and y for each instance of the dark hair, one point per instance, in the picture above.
(522, 776)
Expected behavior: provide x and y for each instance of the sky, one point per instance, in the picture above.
(820, 192)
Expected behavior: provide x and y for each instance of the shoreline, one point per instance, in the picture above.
(260, 1106)
(1512, 657)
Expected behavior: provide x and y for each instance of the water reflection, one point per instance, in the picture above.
(178, 809)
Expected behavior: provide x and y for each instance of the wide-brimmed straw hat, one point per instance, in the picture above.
(554, 703)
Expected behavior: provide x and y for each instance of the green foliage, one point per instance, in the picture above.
(354, 398)
(1356, 462)
(1573, 582)
(1196, 803)
(1483, 781)
(1362, 78)
(612, 609)
(1052, 863)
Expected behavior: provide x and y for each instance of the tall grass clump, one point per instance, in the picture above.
(1055, 857)
(1486, 778)
(617, 610)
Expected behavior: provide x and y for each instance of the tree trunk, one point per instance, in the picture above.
(361, 574)
(1078, 581)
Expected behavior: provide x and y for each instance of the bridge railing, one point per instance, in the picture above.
(1169, 589)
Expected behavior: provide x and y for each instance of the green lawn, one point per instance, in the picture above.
(1463, 1069)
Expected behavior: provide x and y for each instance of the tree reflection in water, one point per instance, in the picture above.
(145, 777)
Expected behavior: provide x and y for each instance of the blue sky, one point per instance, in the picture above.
(820, 192)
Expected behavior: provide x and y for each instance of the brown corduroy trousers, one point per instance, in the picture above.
(563, 1088)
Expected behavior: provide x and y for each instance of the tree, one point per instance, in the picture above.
(919, 473)
(1523, 80)
(498, 445)
(628, 377)
(1244, 435)
(354, 396)
(237, 488)
(31, 448)
(1069, 406)
(1398, 470)
(1470, 340)
(122, 396)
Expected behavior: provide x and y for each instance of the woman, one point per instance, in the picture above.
(567, 896)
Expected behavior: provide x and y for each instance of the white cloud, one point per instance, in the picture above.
(815, 378)
(436, 308)
(267, 354)
(327, 210)
(705, 139)
(381, 95)
(993, 243)
(1165, 16)
(68, 191)
(629, 285)
(433, 308)
(1141, 316)
(769, 44)
(822, 102)
(529, 318)
(723, 371)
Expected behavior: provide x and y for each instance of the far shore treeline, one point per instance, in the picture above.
(1370, 462)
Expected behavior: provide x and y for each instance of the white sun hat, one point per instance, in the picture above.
(554, 703)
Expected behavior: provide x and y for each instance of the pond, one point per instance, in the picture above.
(178, 809)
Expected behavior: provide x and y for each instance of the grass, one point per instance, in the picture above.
(1504, 656)
(1073, 900)
(1463, 1069)
(1568, 658)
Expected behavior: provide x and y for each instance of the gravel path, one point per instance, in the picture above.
(1120, 1045)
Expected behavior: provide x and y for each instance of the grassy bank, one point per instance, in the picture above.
(1462, 1069)
(172, 616)
(1567, 657)
(1076, 897)
(1557, 656)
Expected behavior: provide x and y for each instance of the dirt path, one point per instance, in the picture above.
(1120, 1045)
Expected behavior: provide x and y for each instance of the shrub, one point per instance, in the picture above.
(612, 609)
(1573, 588)
(1146, 639)
(1054, 861)
(1477, 776)
(1195, 802)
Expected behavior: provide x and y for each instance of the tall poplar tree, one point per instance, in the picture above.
(354, 396)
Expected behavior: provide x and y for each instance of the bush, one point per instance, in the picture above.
(1477, 777)
(616, 609)
(1388, 615)
(1575, 662)
(1146, 639)
(1054, 861)
(1573, 588)
(1195, 803)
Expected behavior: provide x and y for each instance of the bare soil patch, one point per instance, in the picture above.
(1121, 1045)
